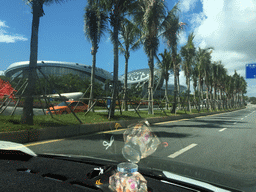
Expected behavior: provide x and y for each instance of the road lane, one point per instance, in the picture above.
(182, 151)
(232, 150)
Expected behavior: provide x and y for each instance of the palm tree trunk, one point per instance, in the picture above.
(166, 92)
(211, 98)
(151, 84)
(188, 96)
(125, 83)
(221, 104)
(27, 116)
(115, 78)
(194, 97)
(207, 97)
(202, 92)
(178, 82)
(175, 86)
(199, 93)
(94, 50)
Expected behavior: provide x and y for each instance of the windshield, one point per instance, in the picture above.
(190, 75)
(63, 104)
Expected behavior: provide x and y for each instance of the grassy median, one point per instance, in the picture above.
(9, 124)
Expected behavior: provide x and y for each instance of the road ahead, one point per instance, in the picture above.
(221, 142)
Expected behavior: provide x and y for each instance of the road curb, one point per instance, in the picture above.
(34, 135)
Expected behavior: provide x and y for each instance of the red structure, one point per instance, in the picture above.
(6, 89)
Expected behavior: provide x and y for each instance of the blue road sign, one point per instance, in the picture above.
(250, 71)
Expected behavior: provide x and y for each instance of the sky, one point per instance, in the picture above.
(228, 26)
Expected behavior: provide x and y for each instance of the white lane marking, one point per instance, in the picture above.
(222, 129)
(234, 123)
(182, 151)
(242, 118)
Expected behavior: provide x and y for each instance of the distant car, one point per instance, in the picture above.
(62, 108)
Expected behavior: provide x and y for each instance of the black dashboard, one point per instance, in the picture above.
(22, 172)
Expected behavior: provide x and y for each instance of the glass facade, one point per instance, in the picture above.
(58, 69)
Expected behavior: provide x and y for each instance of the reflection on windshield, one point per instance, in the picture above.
(63, 104)
(140, 142)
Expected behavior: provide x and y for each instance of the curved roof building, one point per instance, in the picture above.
(58, 68)
(140, 77)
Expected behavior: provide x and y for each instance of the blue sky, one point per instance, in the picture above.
(228, 26)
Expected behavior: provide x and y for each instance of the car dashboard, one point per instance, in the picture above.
(22, 172)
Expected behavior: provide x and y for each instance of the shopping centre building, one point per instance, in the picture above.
(139, 77)
(58, 68)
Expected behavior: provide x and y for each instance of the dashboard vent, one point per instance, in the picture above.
(84, 185)
(55, 177)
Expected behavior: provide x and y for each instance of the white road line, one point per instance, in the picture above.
(234, 123)
(222, 129)
(182, 151)
(242, 118)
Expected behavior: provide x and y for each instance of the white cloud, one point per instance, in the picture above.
(187, 5)
(229, 27)
(182, 39)
(6, 37)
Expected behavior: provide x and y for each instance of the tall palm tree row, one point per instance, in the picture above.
(178, 67)
(130, 34)
(95, 24)
(215, 76)
(172, 36)
(166, 66)
(207, 69)
(154, 20)
(117, 10)
(188, 52)
(37, 12)
(221, 83)
(202, 62)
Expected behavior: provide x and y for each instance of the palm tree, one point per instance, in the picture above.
(178, 66)
(188, 52)
(207, 70)
(171, 35)
(117, 10)
(165, 66)
(194, 78)
(221, 83)
(236, 87)
(215, 76)
(243, 89)
(210, 85)
(37, 11)
(201, 60)
(130, 34)
(154, 21)
(95, 21)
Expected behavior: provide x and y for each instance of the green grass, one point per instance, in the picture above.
(9, 124)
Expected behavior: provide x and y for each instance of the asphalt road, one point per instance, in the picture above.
(221, 142)
(19, 111)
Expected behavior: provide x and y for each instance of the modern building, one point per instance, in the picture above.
(140, 78)
(58, 68)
